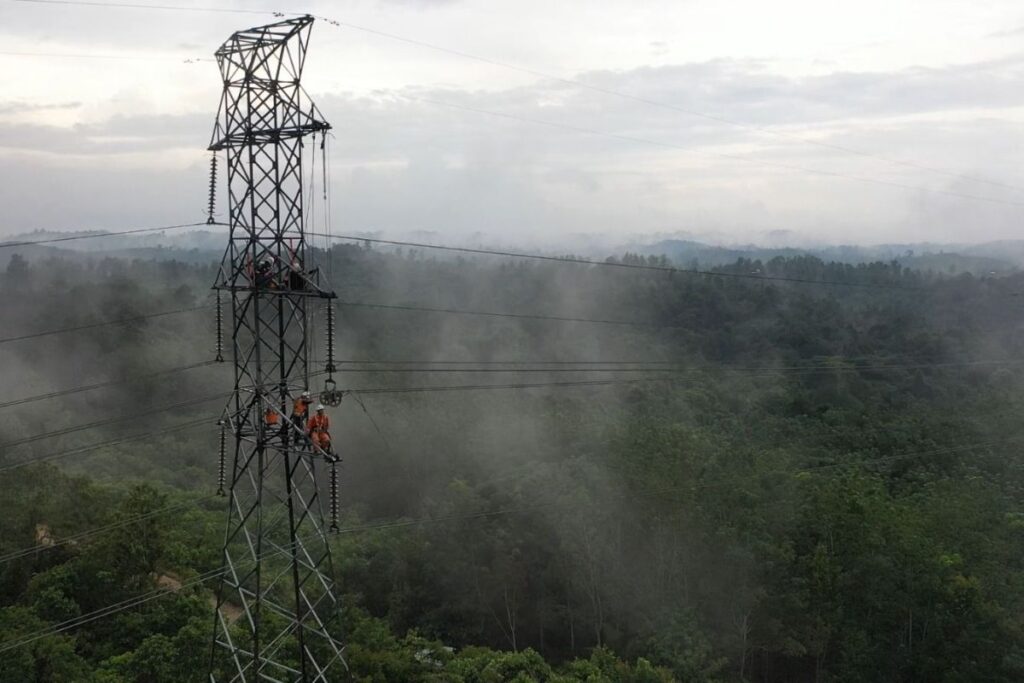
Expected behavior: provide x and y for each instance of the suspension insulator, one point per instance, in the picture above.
(213, 189)
(334, 498)
(330, 395)
(330, 338)
(223, 458)
(220, 330)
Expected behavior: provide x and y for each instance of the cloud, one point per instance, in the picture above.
(398, 123)
(27, 107)
(748, 91)
(1009, 33)
(116, 135)
(419, 4)
(401, 164)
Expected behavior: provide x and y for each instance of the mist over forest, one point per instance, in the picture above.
(795, 470)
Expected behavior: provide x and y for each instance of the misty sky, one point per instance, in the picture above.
(114, 136)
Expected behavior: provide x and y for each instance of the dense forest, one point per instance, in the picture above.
(728, 478)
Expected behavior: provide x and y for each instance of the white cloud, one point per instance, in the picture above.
(115, 139)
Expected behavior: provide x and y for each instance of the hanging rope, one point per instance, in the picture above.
(334, 498)
(309, 215)
(309, 260)
(323, 163)
(331, 394)
(223, 458)
(213, 189)
(329, 238)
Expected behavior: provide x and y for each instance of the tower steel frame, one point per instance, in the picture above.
(277, 614)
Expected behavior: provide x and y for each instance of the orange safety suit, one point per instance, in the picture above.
(271, 417)
(301, 407)
(318, 429)
(299, 411)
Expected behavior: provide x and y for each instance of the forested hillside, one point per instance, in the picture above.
(670, 477)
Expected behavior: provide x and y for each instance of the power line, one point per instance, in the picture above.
(540, 366)
(176, 8)
(510, 386)
(104, 612)
(101, 385)
(113, 442)
(507, 362)
(105, 323)
(115, 608)
(538, 385)
(493, 314)
(111, 610)
(663, 376)
(380, 526)
(90, 235)
(615, 264)
(679, 368)
(649, 366)
(113, 420)
(722, 155)
(494, 252)
(89, 533)
(405, 523)
(365, 391)
(79, 55)
(664, 105)
(515, 362)
(135, 601)
(899, 456)
(545, 369)
(496, 314)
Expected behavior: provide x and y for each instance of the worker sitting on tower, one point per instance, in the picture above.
(300, 411)
(265, 274)
(270, 417)
(296, 278)
(318, 428)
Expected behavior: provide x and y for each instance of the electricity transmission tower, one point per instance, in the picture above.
(277, 614)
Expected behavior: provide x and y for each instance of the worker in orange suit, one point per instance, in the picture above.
(270, 416)
(318, 429)
(300, 410)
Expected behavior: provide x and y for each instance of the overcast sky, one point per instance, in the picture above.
(114, 136)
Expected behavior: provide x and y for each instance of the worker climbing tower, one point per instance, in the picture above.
(277, 613)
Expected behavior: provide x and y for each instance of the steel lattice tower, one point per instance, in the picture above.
(277, 616)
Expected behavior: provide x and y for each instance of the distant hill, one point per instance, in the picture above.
(196, 246)
(981, 259)
(203, 246)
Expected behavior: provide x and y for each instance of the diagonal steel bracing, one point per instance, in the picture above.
(277, 615)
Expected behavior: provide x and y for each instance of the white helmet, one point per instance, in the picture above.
(305, 394)
(319, 406)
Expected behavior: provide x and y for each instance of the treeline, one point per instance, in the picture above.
(822, 483)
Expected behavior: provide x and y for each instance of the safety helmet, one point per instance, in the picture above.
(319, 406)
(305, 394)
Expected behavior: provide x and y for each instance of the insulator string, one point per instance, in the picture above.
(220, 330)
(213, 189)
(334, 498)
(330, 340)
(223, 458)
